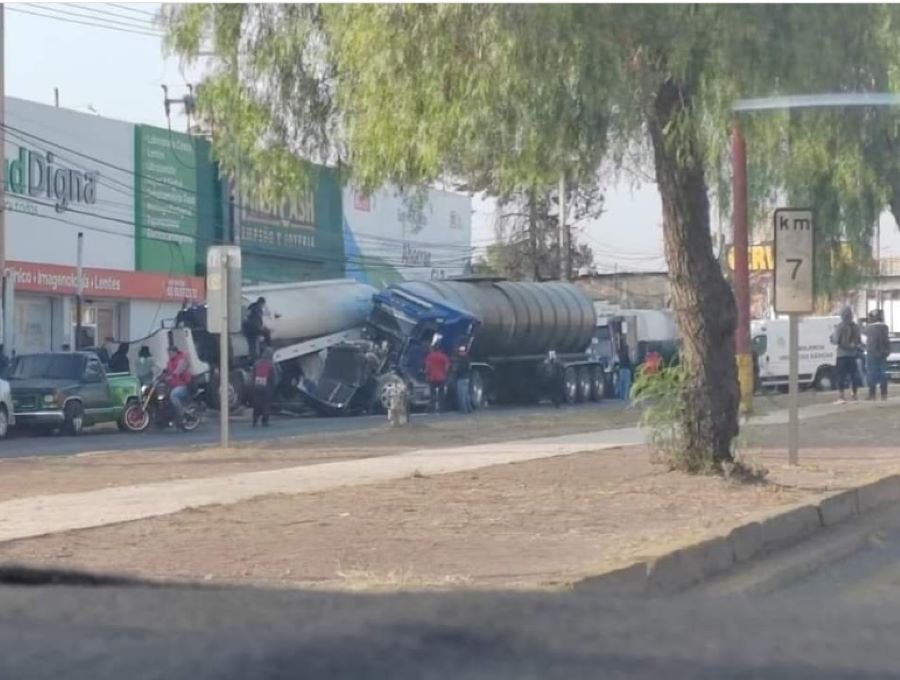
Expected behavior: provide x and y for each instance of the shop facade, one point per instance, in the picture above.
(70, 173)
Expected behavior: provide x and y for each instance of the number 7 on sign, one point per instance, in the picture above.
(796, 261)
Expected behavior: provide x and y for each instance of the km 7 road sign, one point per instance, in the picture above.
(794, 258)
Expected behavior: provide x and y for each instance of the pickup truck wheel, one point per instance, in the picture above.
(4, 422)
(74, 422)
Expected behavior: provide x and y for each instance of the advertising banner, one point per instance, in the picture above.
(396, 235)
(68, 172)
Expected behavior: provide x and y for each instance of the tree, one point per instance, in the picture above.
(526, 233)
(507, 97)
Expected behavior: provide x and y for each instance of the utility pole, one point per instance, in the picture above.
(4, 280)
(79, 289)
(564, 268)
(741, 280)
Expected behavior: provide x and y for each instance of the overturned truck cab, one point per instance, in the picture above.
(508, 329)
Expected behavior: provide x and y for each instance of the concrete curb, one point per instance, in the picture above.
(695, 564)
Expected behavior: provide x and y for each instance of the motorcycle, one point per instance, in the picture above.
(155, 407)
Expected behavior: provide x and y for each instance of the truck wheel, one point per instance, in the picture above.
(476, 390)
(584, 383)
(383, 390)
(824, 381)
(74, 422)
(4, 422)
(598, 383)
(570, 385)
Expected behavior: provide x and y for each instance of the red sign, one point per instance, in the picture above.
(110, 283)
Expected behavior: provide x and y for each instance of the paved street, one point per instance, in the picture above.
(870, 575)
(25, 444)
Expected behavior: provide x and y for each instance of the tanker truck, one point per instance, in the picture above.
(508, 327)
(303, 318)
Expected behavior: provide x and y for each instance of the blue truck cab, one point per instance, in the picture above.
(399, 333)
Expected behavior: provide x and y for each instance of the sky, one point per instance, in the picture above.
(119, 74)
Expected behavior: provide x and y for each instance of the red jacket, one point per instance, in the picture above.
(178, 370)
(436, 366)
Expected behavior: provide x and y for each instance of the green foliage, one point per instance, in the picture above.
(661, 396)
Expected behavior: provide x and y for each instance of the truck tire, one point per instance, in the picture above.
(383, 389)
(74, 419)
(236, 392)
(570, 385)
(598, 383)
(4, 422)
(476, 391)
(584, 383)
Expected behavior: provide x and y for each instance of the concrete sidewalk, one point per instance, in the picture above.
(39, 515)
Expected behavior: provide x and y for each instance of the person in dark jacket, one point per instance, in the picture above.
(264, 381)
(463, 382)
(848, 339)
(118, 362)
(255, 327)
(554, 378)
(878, 347)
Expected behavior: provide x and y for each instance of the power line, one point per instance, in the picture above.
(55, 17)
(129, 8)
(135, 21)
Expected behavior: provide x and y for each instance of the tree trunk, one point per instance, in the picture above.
(703, 301)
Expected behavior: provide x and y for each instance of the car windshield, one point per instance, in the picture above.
(54, 366)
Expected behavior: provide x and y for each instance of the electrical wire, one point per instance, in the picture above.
(129, 8)
(83, 23)
(107, 15)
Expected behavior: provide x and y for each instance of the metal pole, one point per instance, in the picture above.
(4, 281)
(56, 97)
(564, 273)
(741, 278)
(79, 290)
(224, 363)
(793, 390)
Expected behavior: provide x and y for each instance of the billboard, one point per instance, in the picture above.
(173, 196)
(297, 240)
(395, 235)
(68, 172)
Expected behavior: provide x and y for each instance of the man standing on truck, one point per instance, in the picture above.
(178, 377)
(848, 339)
(437, 364)
(255, 327)
(878, 347)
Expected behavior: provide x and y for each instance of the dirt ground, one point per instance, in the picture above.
(541, 523)
(22, 477)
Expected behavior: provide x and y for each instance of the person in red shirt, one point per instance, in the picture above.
(178, 377)
(437, 364)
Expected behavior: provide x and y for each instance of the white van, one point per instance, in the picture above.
(817, 356)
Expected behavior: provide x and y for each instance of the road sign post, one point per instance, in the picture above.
(794, 251)
(223, 286)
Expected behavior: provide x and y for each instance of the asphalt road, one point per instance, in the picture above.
(24, 444)
(871, 575)
(110, 633)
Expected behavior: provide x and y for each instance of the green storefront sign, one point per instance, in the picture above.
(176, 200)
(297, 240)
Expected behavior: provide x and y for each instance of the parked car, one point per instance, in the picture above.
(68, 391)
(7, 412)
(893, 360)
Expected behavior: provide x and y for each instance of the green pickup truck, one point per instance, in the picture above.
(68, 391)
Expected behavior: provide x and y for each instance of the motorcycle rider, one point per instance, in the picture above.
(178, 378)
